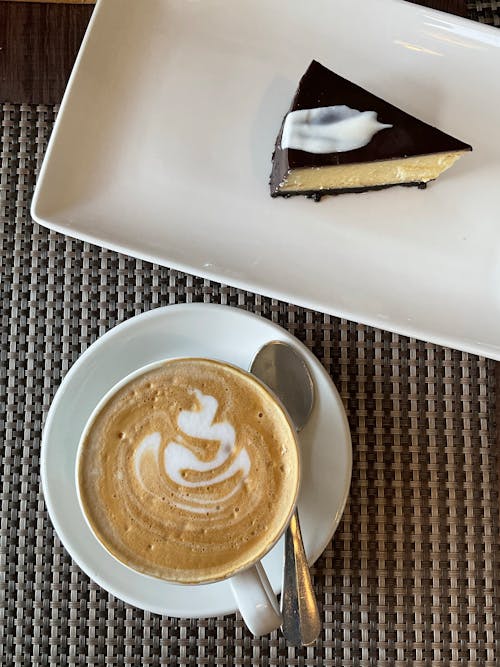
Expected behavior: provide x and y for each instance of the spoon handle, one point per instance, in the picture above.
(301, 620)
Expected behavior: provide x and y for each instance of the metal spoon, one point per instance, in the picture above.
(284, 370)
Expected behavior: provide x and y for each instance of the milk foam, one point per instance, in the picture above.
(334, 129)
(187, 472)
(179, 459)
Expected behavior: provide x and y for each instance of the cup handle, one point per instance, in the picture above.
(256, 600)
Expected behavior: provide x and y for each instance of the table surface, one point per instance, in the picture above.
(38, 45)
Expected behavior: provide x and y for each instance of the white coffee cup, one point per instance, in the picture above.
(250, 586)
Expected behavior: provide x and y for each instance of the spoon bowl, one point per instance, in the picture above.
(284, 370)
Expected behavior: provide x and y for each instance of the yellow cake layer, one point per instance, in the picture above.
(386, 172)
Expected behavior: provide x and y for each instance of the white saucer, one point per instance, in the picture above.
(208, 330)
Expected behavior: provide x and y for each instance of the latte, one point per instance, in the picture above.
(189, 472)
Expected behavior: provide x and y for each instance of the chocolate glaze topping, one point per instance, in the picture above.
(408, 137)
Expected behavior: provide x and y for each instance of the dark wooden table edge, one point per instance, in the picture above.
(39, 43)
(38, 46)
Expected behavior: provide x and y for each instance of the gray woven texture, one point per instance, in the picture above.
(411, 576)
(485, 11)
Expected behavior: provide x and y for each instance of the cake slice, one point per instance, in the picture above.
(338, 137)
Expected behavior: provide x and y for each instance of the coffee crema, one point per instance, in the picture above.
(189, 472)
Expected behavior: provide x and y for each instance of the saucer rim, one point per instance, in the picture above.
(159, 312)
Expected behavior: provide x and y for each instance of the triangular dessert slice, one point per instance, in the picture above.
(338, 137)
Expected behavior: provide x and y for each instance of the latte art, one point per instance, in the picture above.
(179, 462)
(188, 472)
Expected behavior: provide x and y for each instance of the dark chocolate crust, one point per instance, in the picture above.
(318, 194)
(409, 136)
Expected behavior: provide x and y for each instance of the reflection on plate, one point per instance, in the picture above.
(219, 332)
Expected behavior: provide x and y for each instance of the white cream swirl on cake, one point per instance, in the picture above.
(333, 129)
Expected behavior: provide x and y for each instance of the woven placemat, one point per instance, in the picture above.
(411, 576)
(484, 11)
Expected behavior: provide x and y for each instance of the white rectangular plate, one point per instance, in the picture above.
(163, 146)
